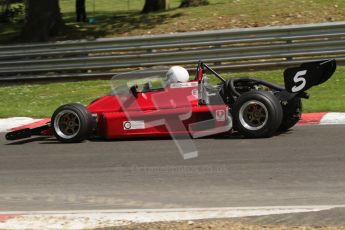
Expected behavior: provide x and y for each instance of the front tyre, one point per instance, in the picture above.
(72, 123)
(257, 114)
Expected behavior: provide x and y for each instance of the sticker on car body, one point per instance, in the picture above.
(183, 85)
(129, 125)
(220, 115)
(195, 93)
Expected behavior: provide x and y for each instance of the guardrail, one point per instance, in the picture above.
(234, 49)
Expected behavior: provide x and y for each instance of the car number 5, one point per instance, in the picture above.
(298, 78)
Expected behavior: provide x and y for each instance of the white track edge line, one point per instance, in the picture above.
(312, 207)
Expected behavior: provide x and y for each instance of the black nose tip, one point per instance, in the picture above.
(19, 134)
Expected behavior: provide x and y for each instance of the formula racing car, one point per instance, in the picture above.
(179, 106)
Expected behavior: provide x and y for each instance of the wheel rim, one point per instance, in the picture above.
(67, 124)
(253, 115)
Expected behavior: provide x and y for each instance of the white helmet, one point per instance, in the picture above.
(177, 74)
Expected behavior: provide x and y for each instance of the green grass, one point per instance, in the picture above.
(114, 17)
(40, 100)
(68, 6)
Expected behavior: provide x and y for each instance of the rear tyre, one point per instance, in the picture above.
(292, 114)
(257, 114)
(72, 123)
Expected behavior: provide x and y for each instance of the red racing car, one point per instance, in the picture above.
(178, 106)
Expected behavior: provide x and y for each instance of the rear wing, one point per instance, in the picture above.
(307, 75)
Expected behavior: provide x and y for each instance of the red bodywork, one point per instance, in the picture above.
(174, 110)
(153, 112)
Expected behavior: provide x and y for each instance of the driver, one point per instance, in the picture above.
(177, 74)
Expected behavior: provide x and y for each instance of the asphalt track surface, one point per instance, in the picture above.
(305, 166)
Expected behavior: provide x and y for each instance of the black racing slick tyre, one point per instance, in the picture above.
(257, 114)
(292, 113)
(72, 123)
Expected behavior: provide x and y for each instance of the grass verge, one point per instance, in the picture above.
(123, 18)
(40, 100)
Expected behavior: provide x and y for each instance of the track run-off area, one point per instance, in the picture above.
(304, 166)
